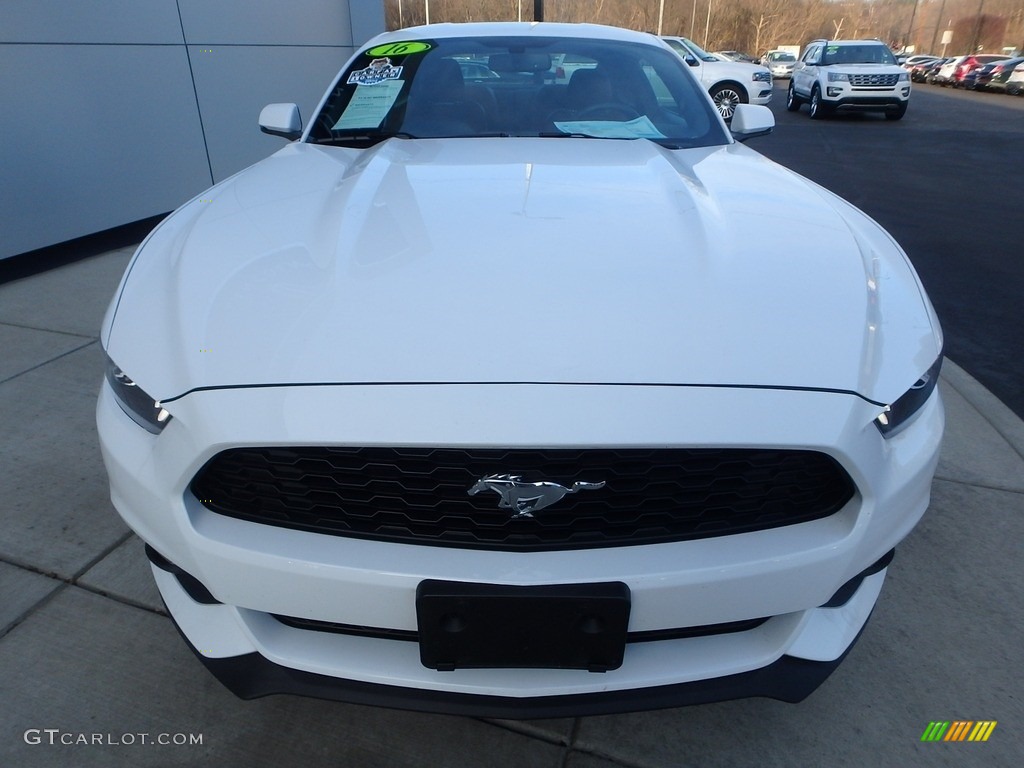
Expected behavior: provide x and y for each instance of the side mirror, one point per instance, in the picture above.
(692, 61)
(281, 120)
(750, 120)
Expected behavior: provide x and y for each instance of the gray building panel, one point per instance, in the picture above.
(367, 19)
(266, 22)
(235, 82)
(99, 136)
(151, 22)
(116, 114)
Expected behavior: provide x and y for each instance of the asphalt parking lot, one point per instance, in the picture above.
(945, 181)
(93, 673)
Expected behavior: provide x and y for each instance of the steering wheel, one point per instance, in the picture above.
(608, 110)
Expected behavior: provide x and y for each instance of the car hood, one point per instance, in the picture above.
(520, 260)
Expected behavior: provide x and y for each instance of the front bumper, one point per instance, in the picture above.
(761, 93)
(257, 672)
(843, 98)
(872, 104)
(254, 572)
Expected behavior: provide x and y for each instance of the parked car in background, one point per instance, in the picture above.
(849, 76)
(729, 82)
(921, 58)
(565, 64)
(736, 56)
(992, 76)
(970, 63)
(475, 71)
(924, 72)
(1015, 81)
(944, 75)
(780, 63)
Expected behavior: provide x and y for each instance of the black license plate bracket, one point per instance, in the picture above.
(467, 625)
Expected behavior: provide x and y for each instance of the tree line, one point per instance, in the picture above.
(755, 26)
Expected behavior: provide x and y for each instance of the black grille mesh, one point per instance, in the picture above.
(879, 81)
(419, 495)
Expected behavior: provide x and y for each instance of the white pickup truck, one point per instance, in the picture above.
(729, 82)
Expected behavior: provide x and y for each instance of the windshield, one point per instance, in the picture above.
(781, 56)
(698, 51)
(687, 47)
(858, 54)
(546, 87)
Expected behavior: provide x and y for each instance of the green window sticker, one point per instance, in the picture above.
(398, 49)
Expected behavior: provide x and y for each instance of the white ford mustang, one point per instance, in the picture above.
(522, 396)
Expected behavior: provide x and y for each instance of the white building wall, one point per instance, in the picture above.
(117, 110)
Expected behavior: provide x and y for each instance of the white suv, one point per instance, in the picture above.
(729, 82)
(849, 75)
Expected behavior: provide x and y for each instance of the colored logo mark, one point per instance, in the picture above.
(958, 730)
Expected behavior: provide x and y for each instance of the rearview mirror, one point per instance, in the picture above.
(520, 62)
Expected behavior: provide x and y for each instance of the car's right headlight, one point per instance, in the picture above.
(838, 77)
(898, 414)
(143, 409)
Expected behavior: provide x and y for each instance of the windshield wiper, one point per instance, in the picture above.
(363, 138)
(373, 138)
(495, 135)
(556, 135)
(564, 135)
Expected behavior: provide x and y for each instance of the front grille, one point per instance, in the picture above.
(874, 81)
(420, 495)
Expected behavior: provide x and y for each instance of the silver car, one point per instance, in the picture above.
(780, 63)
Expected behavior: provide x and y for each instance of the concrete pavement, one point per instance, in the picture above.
(87, 655)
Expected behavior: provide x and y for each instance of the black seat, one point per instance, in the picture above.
(587, 88)
(438, 104)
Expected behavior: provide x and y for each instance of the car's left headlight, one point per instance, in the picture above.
(838, 77)
(764, 77)
(904, 76)
(134, 401)
(898, 414)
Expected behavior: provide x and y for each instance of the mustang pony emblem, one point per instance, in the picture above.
(526, 498)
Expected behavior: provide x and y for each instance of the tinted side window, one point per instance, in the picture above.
(679, 48)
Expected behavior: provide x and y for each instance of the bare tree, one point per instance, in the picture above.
(750, 25)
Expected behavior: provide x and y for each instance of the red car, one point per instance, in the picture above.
(971, 63)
